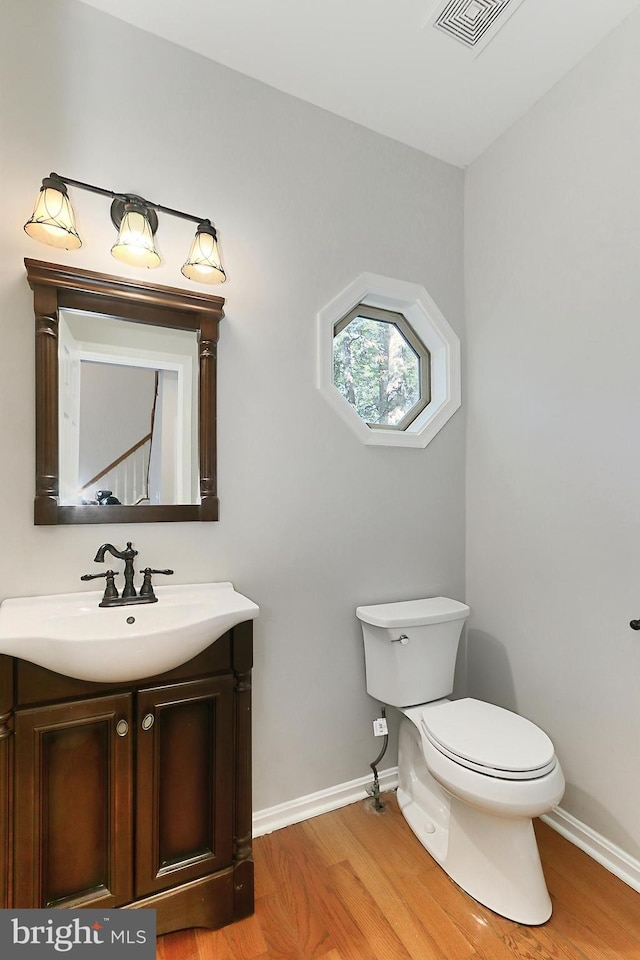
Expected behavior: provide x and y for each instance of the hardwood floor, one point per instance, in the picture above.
(357, 885)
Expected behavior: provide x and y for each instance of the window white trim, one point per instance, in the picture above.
(423, 315)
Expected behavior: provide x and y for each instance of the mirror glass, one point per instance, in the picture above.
(128, 412)
(125, 399)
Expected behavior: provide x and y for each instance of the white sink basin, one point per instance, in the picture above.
(72, 635)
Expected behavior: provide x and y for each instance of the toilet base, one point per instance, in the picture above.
(493, 858)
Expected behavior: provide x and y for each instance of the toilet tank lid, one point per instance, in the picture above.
(413, 613)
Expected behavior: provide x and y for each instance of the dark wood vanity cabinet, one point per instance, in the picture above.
(130, 795)
(73, 790)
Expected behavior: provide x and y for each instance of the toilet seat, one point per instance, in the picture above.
(488, 739)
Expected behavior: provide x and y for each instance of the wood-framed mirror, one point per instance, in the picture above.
(115, 356)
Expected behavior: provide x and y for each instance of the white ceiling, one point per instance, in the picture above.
(372, 61)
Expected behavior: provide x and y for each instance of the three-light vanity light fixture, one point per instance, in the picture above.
(53, 222)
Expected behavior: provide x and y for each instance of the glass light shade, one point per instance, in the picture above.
(135, 239)
(204, 264)
(52, 221)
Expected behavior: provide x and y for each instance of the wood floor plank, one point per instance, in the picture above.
(373, 873)
(299, 891)
(327, 906)
(407, 864)
(177, 946)
(245, 939)
(478, 925)
(264, 883)
(523, 946)
(384, 835)
(493, 936)
(590, 927)
(331, 838)
(213, 944)
(281, 936)
(357, 885)
(377, 930)
(540, 943)
(435, 921)
(590, 880)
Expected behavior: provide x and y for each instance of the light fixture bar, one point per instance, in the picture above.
(125, 196)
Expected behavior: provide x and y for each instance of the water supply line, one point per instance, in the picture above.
(375, 787)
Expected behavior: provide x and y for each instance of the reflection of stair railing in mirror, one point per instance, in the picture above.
(127, 477)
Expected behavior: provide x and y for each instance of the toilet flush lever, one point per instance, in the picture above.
(403, 639)
(635, 624)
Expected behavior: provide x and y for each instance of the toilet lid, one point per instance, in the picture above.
(489, 739)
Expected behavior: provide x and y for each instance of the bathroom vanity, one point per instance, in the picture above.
(130, 794)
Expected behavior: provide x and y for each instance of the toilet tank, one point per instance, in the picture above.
(410, 648)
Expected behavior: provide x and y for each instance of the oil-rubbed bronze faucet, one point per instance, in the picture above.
(126, 555)
(129, 595)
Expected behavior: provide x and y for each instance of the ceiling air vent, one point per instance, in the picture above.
(473, 22)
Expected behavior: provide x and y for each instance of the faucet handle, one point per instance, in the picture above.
(110, 590)
(96, 576)
(146, 590)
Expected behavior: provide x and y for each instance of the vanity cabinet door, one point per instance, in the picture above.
(184, 782)
(73, 810)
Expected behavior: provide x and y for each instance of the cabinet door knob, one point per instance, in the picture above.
(148, 721)
(122, 728)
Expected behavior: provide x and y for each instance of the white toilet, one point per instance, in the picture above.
(471, 775)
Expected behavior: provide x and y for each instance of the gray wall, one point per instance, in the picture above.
(312, 523)
(553, 472)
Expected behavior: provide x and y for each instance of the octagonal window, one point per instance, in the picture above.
(388, 361)
(381, 367)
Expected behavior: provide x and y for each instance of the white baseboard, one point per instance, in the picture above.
(613, 858)
(303, 808)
